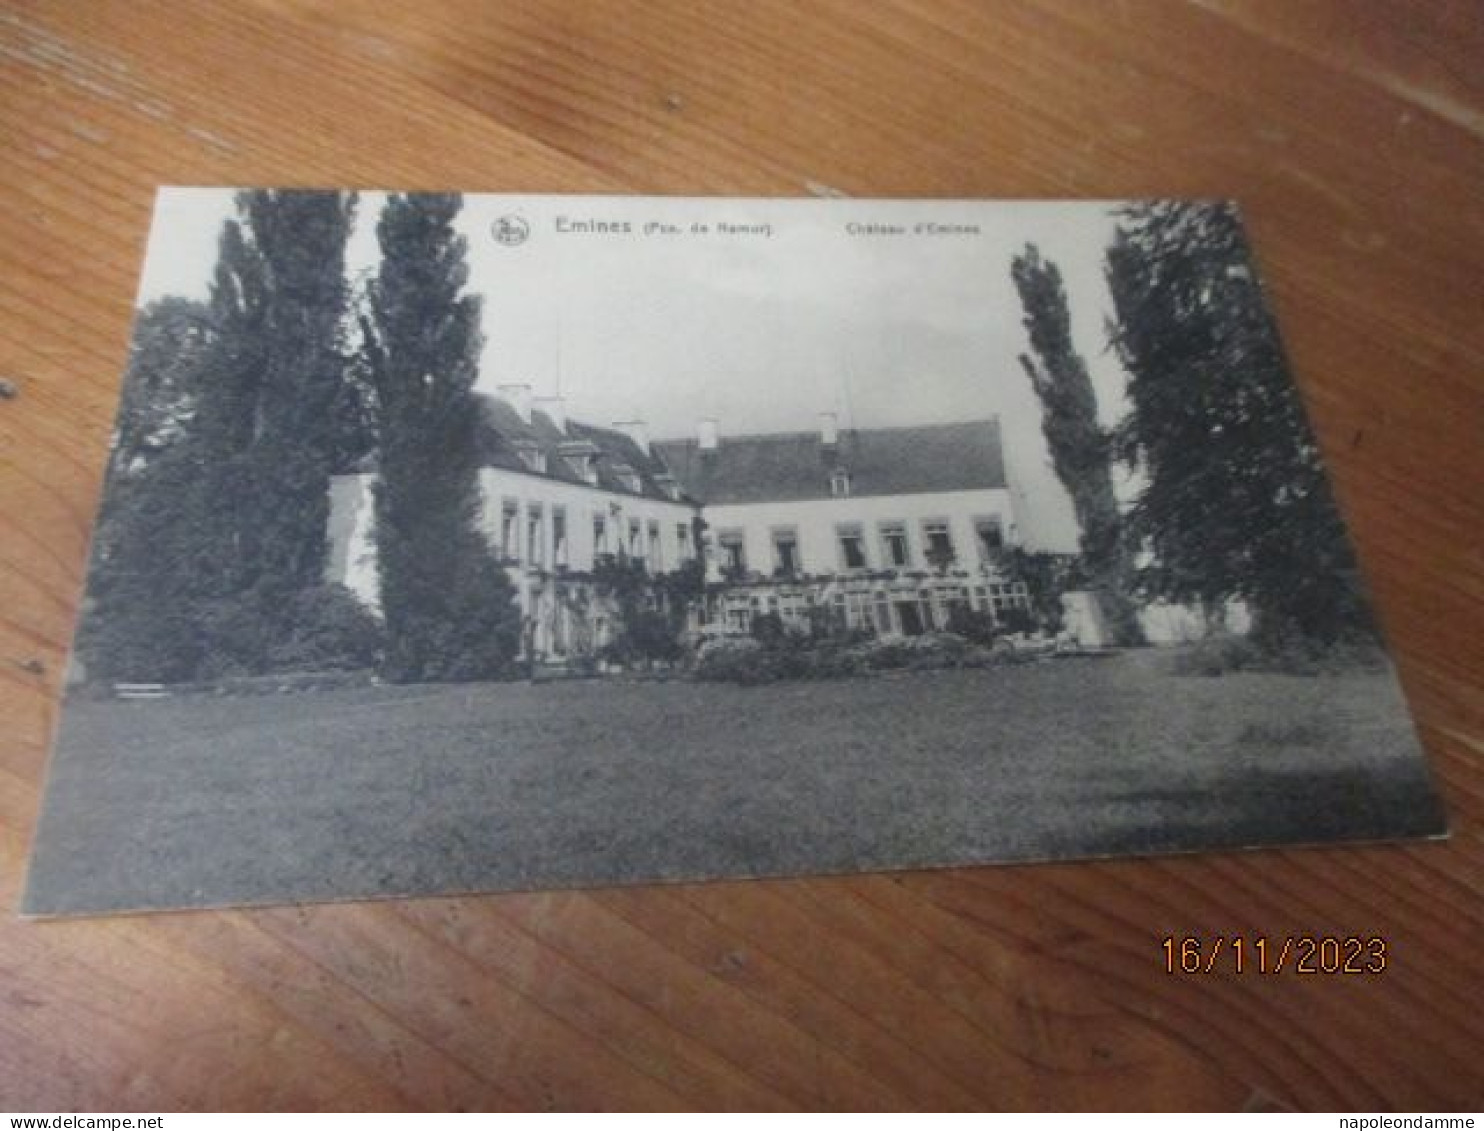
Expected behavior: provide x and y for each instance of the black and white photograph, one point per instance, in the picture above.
(461, 543)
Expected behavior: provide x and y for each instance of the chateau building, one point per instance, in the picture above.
(888, 529)
(884, 529)
(558, 496)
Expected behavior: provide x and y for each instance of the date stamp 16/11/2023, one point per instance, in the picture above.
(1259, 954)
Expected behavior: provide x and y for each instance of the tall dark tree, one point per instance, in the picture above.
(166, 555)
(218, 492)
(300, 237)
(1235, 503)
(172, 342)
(1079, 447)
(450, 611)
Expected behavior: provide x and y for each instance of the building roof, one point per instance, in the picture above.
(502, 433)
(789, 466)
(773, 467)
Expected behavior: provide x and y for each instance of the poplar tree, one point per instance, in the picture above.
(217, 503)
(1080, 451)
(450, 611)
(1236, 503)
(299, 362)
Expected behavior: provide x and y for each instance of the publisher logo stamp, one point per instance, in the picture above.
(510, 231)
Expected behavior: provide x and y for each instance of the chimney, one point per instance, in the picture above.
(829, 429)
(519, 397)
(706, 434)
(636, 430)
(556, 411)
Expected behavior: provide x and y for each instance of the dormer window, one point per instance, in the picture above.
(582, 459)
(668, 484)
(531, 455)
(840, 483)
(628, 478)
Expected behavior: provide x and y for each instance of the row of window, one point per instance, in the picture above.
(643, 540)
(895, 547)
(906, 612)
(582, 461)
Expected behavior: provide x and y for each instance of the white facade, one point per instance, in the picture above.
(548, 525)
(887, 530)
(890, 564)
(546, 534)
(880, 532)
(352, 537)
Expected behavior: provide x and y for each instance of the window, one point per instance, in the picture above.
(600, 535)
(898, 552)
(852, 547)
(1012, 595)
(883, 613)
(939, 542)
(785, 551)
(582, 459)
(858, 609)
(925, 605)
(656, 549)
(584, 466)
(535, 535)
(531, 455)
(991, 537)
(682, 541)
(793, 607)
(840, 483)
(558, 536)
(636, 539)
(733, 556)
(510, 530)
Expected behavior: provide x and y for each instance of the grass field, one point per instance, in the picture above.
(385, 791)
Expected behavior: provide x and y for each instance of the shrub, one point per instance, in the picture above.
(331, 631)
(1017, 620)
(234, 635)
(980, 657)
(838, 663)
(1216, 655)
(795, 655)
(644, 635)
(974, 625)
(1282, 646)
(731, 660)
(935, 650)
(883, 655)
(469, 631)
(767, 629)
(1287, 652)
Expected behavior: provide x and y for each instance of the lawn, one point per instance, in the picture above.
(386, 791)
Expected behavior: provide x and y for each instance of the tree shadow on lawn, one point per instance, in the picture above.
(1297, 805)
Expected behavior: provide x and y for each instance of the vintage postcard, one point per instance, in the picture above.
(462, 543)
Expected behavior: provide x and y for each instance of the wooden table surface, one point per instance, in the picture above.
(1353, 133)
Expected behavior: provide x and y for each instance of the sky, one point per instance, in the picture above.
(802, 308)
